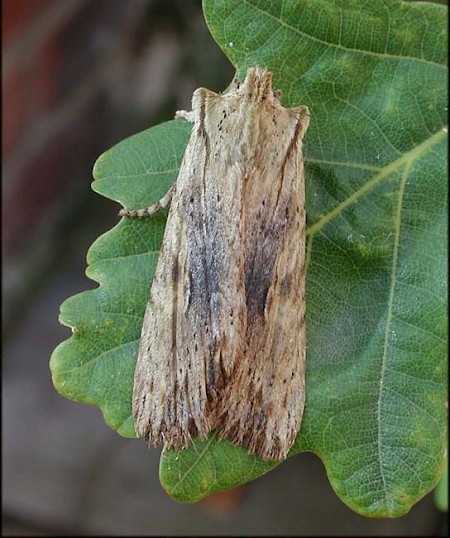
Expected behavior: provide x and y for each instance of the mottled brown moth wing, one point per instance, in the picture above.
(223, 339)
(177, 371)
(170, 387)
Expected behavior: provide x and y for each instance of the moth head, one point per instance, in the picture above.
(257, 85)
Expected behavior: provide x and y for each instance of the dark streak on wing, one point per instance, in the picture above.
(259, 271)
(196, 254)
(173, 405)
(292, 144)
(205, 262)
(268, 241)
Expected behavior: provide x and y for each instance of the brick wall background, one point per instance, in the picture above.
(79, 76)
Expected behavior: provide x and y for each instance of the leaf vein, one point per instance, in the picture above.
(188, 471)
(388, 324)
(406, 158)
(339, 46)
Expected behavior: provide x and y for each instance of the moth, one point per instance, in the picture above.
(223, 339)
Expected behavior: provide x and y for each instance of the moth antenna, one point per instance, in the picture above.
(149, 211)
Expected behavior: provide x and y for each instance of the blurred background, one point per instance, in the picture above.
(78, 77)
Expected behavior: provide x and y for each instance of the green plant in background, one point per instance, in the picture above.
(441, 493)
(374, 77)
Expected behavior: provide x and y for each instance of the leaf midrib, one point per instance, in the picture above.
(406, 159)
(388, 328)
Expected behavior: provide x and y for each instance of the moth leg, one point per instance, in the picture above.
(185, 115)
(148, 211)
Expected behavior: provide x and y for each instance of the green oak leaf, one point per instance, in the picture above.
(96, 365)
(374, 77)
